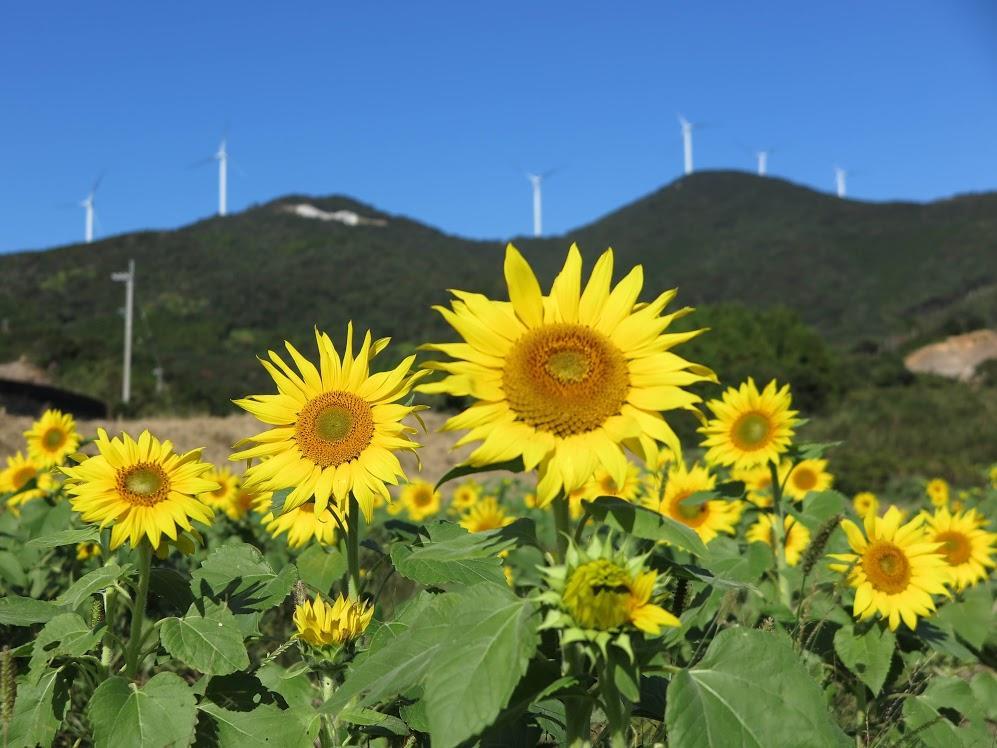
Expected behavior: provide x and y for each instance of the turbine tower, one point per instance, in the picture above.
(87, 204)
(537, 181)
(687, 128)
(763, 162)
(222, 157)
(840, 175)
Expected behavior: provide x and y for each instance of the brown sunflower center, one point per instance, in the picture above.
(955, 547)
(54, 438)
(144, 484)
(422, 497)
(886, 567)
(334, 428)
(690, 514)
(804, 479)
(565, 379)
(751, 431)
(22, 476)
(220, 491)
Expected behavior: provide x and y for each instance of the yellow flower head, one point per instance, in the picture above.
(140, 488)
(322, 624)
(465, 495)
(603, 595)
(14, 479)
(895, 569)
(336, 427)
(530, 500)
(992, 473)
(966, 547)
(865, 502)
(248, 500)
(222, 498)
(303, 523)
(804, 477)
(564, 380)
(52, 438)
(749, 427)
(487, 514)
(603, 484)
(795, 540)
(420, 499)
(938, 491)
(87, 550)
(758, 482)
(707, 518)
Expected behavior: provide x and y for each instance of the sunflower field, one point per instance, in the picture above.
(583, 578)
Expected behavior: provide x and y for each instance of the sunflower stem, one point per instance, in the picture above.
(562, 524)
(138, 609)
(353, 548)
(778, 538)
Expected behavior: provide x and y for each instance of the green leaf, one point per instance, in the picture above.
(452, 557)
(949, 692)
(160, 713)
(94, 581)
(319, 568)
(821, 506)
(266, 725)
(294, 687)
(23, 611)
(941, 638)
(493, 637)
(811, 451)
(984, 687)
(750, 690)
(66, 635)
(867, 653)
(934, 731)
(375, 722)
(172, 587)
(644, 523)
(514, 465)
(971, 618)
(11, 569)
(38, 710)
(278, 499)
(210, 642)
(65, 537)
(238, 574)
(239, 691)
(730, 490)
(728, 561)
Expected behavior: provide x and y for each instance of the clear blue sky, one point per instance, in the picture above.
(434, 109)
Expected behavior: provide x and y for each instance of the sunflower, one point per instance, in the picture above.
(967, 548)
(530, 500)
(562, 381)
(87, 550)
(603, 484)
(758, 482)
(865, 502)
(465, 495)
(20, 471)
(303, 523)
(487, 514)
(324, 625)
(804, 477)
(52, 438)
(992, 474)
(707, 518)
(749, 427)
(421, 500)
(795, 540)
(140, 489)
(895, 569)
(938, 491)
(604, 595)
(336, 427)
(246, 500)
(222, 497)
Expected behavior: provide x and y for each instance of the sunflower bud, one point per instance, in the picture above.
(8, 686)
(96, 611)
(816, 548)
(679, 596)
(300, 593)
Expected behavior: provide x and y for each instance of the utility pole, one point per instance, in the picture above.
(128, 279)
(158, 374)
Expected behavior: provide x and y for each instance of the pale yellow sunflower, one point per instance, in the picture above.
(865, 502)
(221, 498)
(465, 495)
(323, 624)
(303, 524)
(336, 427)
(248, 500)
(604, 595)
(795, 540)
(938, 491)
(895, 569)
(757, 482)
(52, 438)
(140, 489)
(967, 548)
(806, 476)
(563, 380)
(420, 499)
(749, 427)
(14, 479)
(487, 514)
(603, 484)
(708, 518)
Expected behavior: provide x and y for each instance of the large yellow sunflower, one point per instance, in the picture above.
(19, 472)
(304, 523)
(487, 514)
(895, 569)
(749, 427)
(708, 518)
(420, 499)
(141, 489)
(795, 540)
(52, 438)
(564, 380)
(967, 548)
(336, 427)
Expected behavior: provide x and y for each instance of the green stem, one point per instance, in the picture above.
(577, 709)
(353, 548)
(778, 537)
(562, 524)
(138, 609)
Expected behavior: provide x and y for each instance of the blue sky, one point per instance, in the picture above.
(435, 109)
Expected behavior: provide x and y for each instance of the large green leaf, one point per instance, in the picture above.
(95, 581)
(373, 721)
(65, 537)
(23, 611)
(452, 557)
(66, 635)
(644, 523)
(292, 686)
(38, 710)
(514, 465)
(934, 731)
(11, 569)
(238, 574)
(971, 617)
(492, 639)
(266, 725)
(319, 568)
(208, 640)
(867, 652)
(750, 690)
(160, 713)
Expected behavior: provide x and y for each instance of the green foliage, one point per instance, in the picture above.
(66, 635)
(266, 725)
(450, 556)
(158, 714)
(867, 651)
(207, 639)
(39, 709)
(643, 523)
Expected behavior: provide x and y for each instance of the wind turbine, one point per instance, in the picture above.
(687, 128)
(763, 162)
(537, 181)
(222, 157)
(87, 204)
(840, 176)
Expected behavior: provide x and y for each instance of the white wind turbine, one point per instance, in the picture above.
(222, 157)
(840, 177)
(537, 181)
(687, 128)
(763, 162)
(87, 204)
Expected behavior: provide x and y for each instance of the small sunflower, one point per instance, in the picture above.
(707, 518)
(248, 500)
(20, 471)
(749, 427)
(938, 491)
(303, 523)
(566, 380)
(420, 499)
(865, 502)
(330, 625)
(141, 489)
(87, 550)
(758, 482)
(336, 427)
(603, 484)
(52, 438)
(530, 500)
(804, 477)
(967, 548)
(487, 514)
(795, 540)
(465, 495)
(222, 497)
(895, 569)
